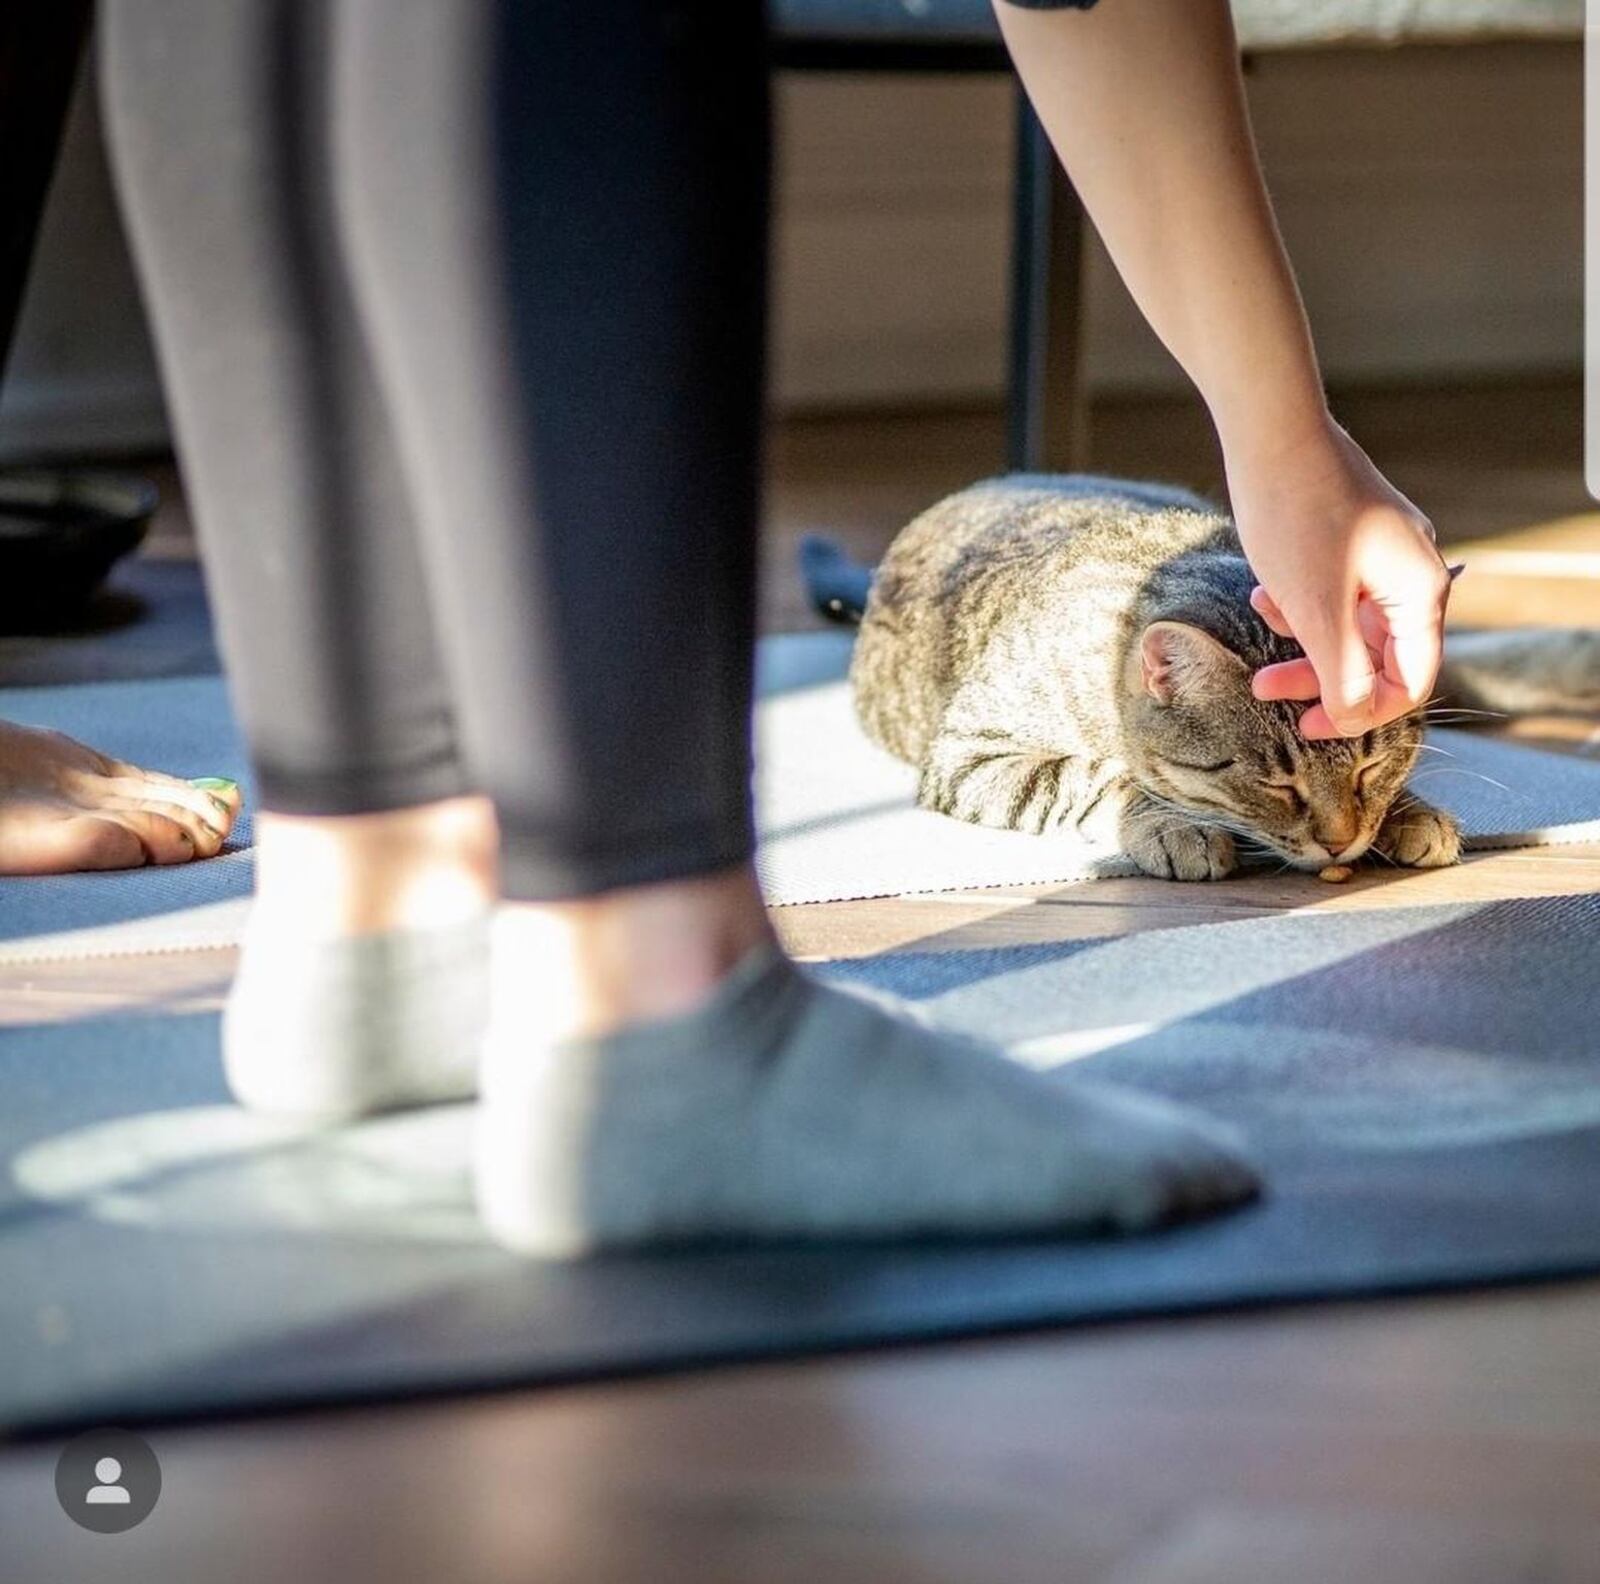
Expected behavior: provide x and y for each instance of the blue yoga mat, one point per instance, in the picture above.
(177, 724)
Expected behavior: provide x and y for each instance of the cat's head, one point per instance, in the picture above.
(1198, 739)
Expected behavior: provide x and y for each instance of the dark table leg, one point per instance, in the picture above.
(41, 45)
(1048, 421)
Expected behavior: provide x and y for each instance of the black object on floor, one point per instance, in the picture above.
(149, 619)
(60, 534)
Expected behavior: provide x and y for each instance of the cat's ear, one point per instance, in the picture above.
(1177, 661)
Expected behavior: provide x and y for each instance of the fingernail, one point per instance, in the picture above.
(214, 783)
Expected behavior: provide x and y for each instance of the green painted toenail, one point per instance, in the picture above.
(214, 784)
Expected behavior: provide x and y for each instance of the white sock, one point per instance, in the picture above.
(785, 1109)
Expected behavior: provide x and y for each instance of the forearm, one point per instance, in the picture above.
(1143, 102)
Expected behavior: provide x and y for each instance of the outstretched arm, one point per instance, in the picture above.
(1144, 103)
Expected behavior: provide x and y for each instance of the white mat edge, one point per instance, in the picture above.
(142, 937)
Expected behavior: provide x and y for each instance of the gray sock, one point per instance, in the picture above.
(337, 1029)
(786, 1109)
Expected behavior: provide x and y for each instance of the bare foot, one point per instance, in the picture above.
(64, 807)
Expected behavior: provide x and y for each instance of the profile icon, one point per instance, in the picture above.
(108, 1481)
(110, 1490)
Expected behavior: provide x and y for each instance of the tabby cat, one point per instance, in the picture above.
(1075, 653)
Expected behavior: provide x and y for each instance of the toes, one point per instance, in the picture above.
(1198, 854)
(104, 844)
(205, 794)
(204, 835)
(1184, 1189)
(216, 807)
(1171, 1164)
(40, 841)
(164, 839)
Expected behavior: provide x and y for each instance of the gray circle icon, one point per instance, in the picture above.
(108, 1480)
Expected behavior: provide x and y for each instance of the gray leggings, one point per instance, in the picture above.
(459, 308)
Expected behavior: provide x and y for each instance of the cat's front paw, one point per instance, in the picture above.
(1420, 837)
(1181, 851)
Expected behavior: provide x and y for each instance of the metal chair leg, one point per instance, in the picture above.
(1048, 420)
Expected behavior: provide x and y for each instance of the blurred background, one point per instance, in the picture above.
(1431, 196)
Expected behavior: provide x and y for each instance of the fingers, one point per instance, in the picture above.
(1411, 663)
(1289, 679)
(1267, 609)
(1336, 649)
(1345, 691)
(1300, 679)
(1388, 703)
(1413, 645)
(1365, 665)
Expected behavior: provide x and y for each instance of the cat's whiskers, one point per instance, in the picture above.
(1451, 770)
(1455, 712)
(1251, 840)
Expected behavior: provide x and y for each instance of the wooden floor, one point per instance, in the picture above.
(1438, 1441)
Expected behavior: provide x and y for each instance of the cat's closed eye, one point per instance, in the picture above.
(1291, 794)
(1203, 769)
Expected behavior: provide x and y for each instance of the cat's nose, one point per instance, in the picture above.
(1337, 830)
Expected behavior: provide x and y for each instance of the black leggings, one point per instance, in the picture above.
(459, 305)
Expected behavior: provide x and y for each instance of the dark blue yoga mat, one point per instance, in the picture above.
(1421, 1084)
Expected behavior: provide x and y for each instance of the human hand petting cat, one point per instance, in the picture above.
(1347, 567)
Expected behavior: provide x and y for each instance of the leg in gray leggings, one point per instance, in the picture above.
(460, 313)
(219, 116)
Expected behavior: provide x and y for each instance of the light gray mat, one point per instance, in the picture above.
(837, 816)
(1421, 1085)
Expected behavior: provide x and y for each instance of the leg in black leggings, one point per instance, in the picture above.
(547, 222)
(556, 218)
(572, 336)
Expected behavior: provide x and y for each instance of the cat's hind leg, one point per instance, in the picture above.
(989, 779)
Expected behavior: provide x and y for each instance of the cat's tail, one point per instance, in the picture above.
(1522, 671)
(837, 586)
